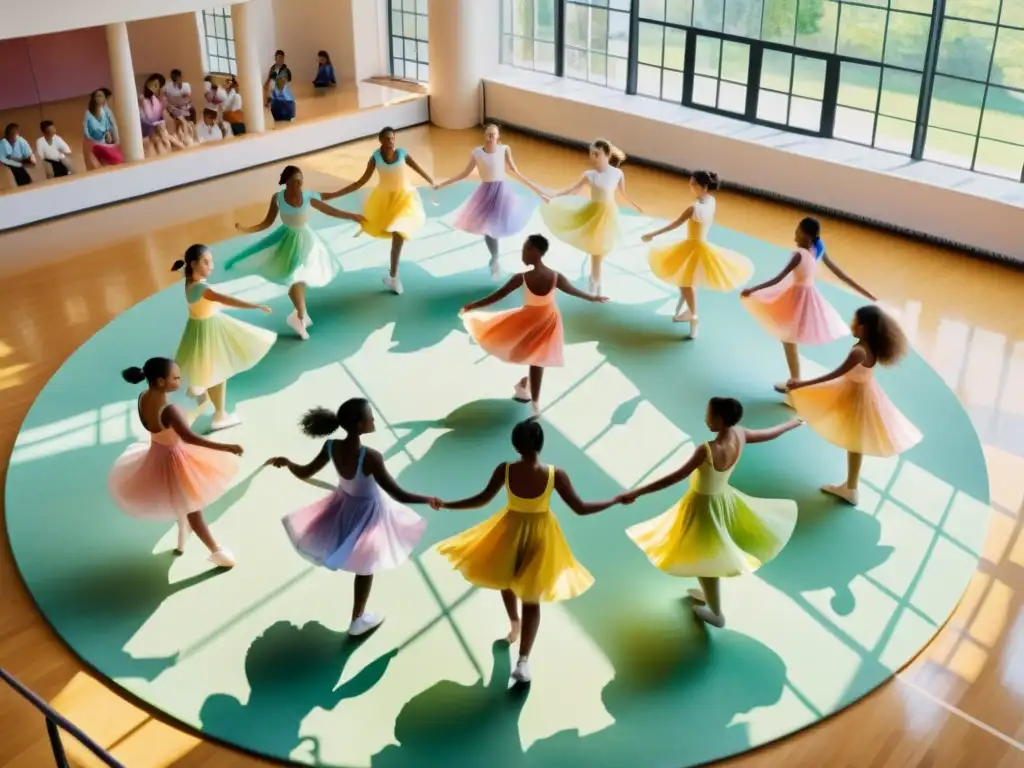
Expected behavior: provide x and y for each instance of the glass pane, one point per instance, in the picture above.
(1004, 116)
(732, 97)
(772, 107)
(598, 37)
(672, 86)
(679, 12)
(408, 25)
(507, 50)
(523, 52)
(598, 69)
(901, 92)
(949, 148)
(805, 113)
(1013, 14)
(618, 34)
(966, 49)
(956, 104)
(779, 21)
(618, 70)
(651, 44)
(708, 14)
(858, 86)
(228, 28)
(576, 64)
(544, 57)
(894, 135)
(652, 9)
(735, 62)
(708, 54)
(219, 27)
(809, 77)
(648, 81)
(906, 40)
(705, 91)
(231, 49)
(743, 18)
(776, 70)
(517, 16)
(675, 49)
(918, 6)
(861, 32)
(422, 7)
(577, 23)
(1008, 64)
(508, 25)
(423, 73)
(978, 10)
(423, 52)
(854, 125)
(1000, 159)
(816, 26)
(544, 18)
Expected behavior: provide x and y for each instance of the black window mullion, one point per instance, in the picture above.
(754, 80)
(931, 60)
(633, 60)
(830, 98)
(689, 64)
(560, 38)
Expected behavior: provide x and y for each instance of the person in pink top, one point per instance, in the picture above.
(153, 115)
(791, 308)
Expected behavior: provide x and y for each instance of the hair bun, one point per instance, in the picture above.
(178, 265)
(133, 375)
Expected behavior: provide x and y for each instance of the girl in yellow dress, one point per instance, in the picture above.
(848, 408)
(521, 550)
(393, 211)
(593, 226)
(715, 531)
(694, 262)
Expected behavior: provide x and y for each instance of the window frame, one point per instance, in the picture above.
(393, 35)
(208, 19)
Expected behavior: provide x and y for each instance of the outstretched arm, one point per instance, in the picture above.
(357, 184)
(374, 462)
(683, 218)
(510, 164)
(621, 188)
(513, 282)
(415, 166)
(563, 485)
(267, 220)
(775, 280)
(494, 484)
(669, 480)
(464, 174)
(565, 286)
(855, 358)
(175, 419)
(835, 270)
(303, 471)
(764, 435)
(324, 208)
(230, 301)
(573, 189)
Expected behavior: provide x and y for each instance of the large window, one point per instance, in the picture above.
(409, 40)
(219, 41)
(932, 79)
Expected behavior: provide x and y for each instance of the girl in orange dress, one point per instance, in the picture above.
(848, 408)
(791, 308)
(521, 550)
(175, 473)
(529, 335)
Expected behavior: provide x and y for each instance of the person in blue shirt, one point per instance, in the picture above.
(282, 102)
(324, 71)
(16, 154)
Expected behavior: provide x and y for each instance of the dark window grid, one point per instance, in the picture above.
(416, 44)
(396, 35)
(534, 40)
(1004, 25)
(984, 98)
(212, 38)
(881, 75)
(533, 34)
(587, 53)
(875, 114)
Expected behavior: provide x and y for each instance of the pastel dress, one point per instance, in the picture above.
(292, 253)
(151, 114)
(521, 549)
(165, 478)
(528, 335)
(715, 531)
(358, 528)
(215, 346)
(592, 227)
(695, 262)
(394, 206)
(854, 413)
(793, 310)
(494, 209)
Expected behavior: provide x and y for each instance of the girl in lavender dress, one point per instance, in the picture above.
(364, 526)
(494, 210)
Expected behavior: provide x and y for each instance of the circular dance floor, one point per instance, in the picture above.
(257, 657)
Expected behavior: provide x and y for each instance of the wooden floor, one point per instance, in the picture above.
(960, 704)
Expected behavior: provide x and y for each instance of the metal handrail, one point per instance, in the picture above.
(55, 723)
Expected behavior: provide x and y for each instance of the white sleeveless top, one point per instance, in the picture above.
(603, 184)
(490, 165)
(702, 219)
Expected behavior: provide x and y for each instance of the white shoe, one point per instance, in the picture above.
(393, 284)
(522, 393)
(226, 421)
(308, 321)
(849, 495)
(495, 266)
(594, 287)
(535, 408)
(297, 325)
(222, 558)
(368, 621)
(521, 674)
(686, 316)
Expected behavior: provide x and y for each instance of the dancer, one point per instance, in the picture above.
(494, 210)
(848, 408)
(363, 527)
(215, 346)
(393, 210)
(791, 308)
(694, 262)
(531, 334)
(592, 227)
(715, 531)
(521, 550)
(175, 473)
(293, 254)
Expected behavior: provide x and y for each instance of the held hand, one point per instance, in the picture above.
(599, 299)
(235, 449)
(360, 218)
(435, 503)
(625, 498)
(264, 309)
(277, 461)
(647, 238)
(791, 385)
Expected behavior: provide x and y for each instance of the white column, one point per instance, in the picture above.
(126, 98)
(250, 74)
(463, 48)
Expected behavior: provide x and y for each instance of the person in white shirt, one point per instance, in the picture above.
(232, 109)
(178, 96)
(16, 154)
(209, 130)
(215, 97)
(54, 150)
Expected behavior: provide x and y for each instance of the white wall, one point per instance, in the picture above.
(166, 43)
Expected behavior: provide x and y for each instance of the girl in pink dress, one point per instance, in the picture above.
(531, 334)
(153, 114)
(364, 526)
(175, 473)
(791, 308)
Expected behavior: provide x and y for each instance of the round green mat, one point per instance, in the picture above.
(258, 656)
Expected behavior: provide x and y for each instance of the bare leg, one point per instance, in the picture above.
(595, 272)
(710, 612)
(360, 595)
(688, 313)
(536, 379)
(512, 609)
(531, 623)
(793, 362)
(492, 247)
(221, 418)
(299, 320)
(392, 281)
(218, 555)
(848, 492)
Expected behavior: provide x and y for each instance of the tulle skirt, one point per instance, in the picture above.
(522, 552)
(388, 212)
(166, 482)
(495, 210)
(857, 416)
(591, 227)
(216, 348)
(358, 534)
(716, 536)
(699, 264)
(287, 256)
(796, 313)
(528, 335)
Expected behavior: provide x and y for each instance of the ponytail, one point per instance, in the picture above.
(322, 422)
(707, 179)
(151, 372)
(192, 255)
(616, 157)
